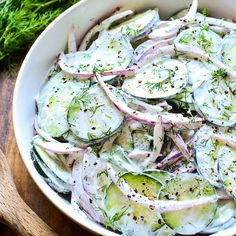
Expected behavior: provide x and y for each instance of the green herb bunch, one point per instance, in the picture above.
(21, 21)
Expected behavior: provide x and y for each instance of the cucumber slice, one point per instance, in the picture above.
(226, 167)
(205, 152)
(50, 178)
(228, 50)
(216, 102)
(224, 217)
(201, 37)
(117, 158)
(92, 116)
(165, 231)
(160, 175)
(56, 163)
(163, 78)
(109, 52)
(53, 102)
(70, 137)
(142, 139)
(125, 139)
(203, 72)
(138, 26)
(134, 219)
(230, 223)
(187, 187)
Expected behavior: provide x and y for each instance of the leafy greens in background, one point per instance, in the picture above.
(21, 21)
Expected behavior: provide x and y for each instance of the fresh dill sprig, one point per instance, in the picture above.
(186, 39)
(204, 12)
(21, 23)
(204, 42)
(110, 221)
(220, 73)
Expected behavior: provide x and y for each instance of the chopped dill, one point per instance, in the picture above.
(204, 42)
(186, 39)
(220, 73)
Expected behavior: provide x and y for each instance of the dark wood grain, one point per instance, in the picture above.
(25, 185)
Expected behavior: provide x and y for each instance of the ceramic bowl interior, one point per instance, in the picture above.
(54, 40)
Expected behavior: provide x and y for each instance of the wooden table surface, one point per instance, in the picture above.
(25, 185)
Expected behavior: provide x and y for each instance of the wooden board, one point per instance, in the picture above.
(25, 185)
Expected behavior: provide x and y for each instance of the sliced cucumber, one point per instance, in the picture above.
(165, 231)
(70, 137)
(186, 187)
(134, 219)
(109, 52)
(198, 73)
(228, 50)
(160, 175)
(53, 102)
(56, 163)
(205, 152)
(227, 169)
(50, 178)
(125, 139)
(138, 26)
(92, 116)
(117, 158)
(201, 37)
(142, 139)
(216, 102)
(163, 78)
(224, 217)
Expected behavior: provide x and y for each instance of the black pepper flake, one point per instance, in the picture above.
(151, 207)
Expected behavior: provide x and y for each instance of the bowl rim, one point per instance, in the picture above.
(84, 222)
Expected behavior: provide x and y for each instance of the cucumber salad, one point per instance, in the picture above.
(136, 125)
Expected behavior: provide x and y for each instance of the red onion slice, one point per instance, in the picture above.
(225, 140)
(139, 155)
(192, 11)
(60, 148)
(171, 158)
(82, 198)
(158, 139)
(182, 146)
(168, 121)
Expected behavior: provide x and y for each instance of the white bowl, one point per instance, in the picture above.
(41, 55)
